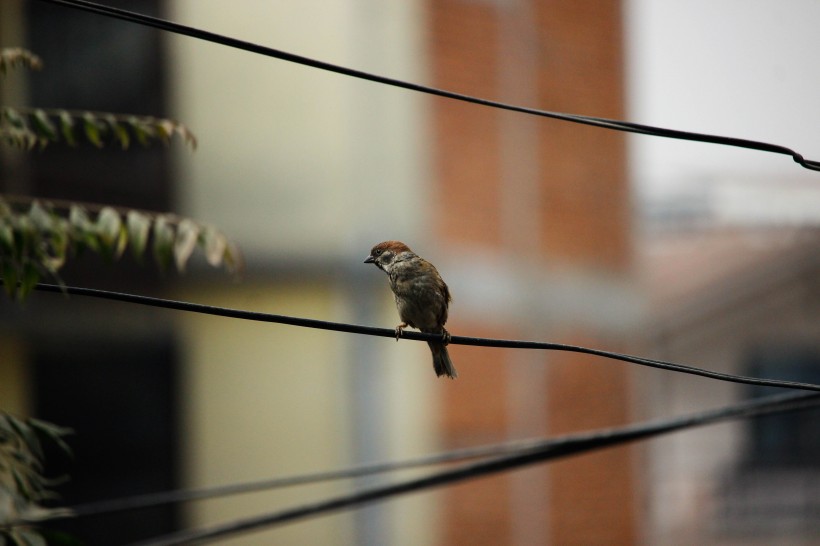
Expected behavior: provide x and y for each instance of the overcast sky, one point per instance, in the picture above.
(743, 68)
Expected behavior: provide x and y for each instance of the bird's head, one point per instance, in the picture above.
(384, 254)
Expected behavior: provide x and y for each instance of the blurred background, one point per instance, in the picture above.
(544, 230)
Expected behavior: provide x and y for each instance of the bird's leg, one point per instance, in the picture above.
(445, 336)
(399, 329)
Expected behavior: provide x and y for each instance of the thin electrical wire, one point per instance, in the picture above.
(137, 502)
(416, 336)
(150, 500)
(545, 451)
(771, 404)
(605, 123)
(527, 455)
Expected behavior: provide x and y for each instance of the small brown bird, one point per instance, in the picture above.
(422, 297)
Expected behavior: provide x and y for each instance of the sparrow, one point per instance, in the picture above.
(422, 297)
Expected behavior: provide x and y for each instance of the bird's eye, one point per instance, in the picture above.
(377, 252)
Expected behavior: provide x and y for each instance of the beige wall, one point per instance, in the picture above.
(268, 400)
(263, 400)
(288, 158)
(287, 153)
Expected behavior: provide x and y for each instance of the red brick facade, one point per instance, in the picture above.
(584, 215)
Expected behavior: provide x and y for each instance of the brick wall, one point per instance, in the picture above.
(582, 211)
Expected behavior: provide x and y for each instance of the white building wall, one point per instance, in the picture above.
(305, 170)
(295, 162)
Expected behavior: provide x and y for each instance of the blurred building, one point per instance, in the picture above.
(541, 249)
(531, 222)
(743, 302)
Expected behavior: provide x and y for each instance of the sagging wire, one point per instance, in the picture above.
(150, 500)
(417, 336)
(616, 125)
(516, 453)
(547, 450)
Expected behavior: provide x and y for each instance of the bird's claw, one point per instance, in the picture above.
(399, 330)
(445, 337)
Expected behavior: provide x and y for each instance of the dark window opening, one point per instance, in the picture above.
(96, 63)
(119, 397)
(791, 439)
(774, 491)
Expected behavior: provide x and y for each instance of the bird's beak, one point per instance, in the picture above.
(369, 260)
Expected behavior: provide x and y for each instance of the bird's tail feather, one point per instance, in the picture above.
(441, 360)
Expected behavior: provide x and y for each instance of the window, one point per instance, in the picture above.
(119, 397)
(786, 440)
(774, 491)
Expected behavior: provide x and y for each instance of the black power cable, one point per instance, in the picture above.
(416, 336)
(605, 123)
(547, 450)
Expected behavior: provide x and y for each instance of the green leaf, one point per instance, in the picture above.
(187, 236)
(67, 128)
(26, 127)
(15, 126)
(119, 131)
(142, 130)
(215, 245)
(187, 136)
(11, 57)
(139, 226)
(37, 243)
(43, 126)
(233, 258)
(91, 127)
(24, 431)
(19, 138)
(6, 238)
(58, 244)
(25, 237)
(164, 129)
(78, 217)
(22, 482)
(109, 229)
(14, 118)
(31, 276)
(41, 217)
(83, 231)
(163, 242)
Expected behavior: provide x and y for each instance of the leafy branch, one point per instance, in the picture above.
(36, 238)
(30, 127)
(35, 242)
(23, 485)
(11, 57)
